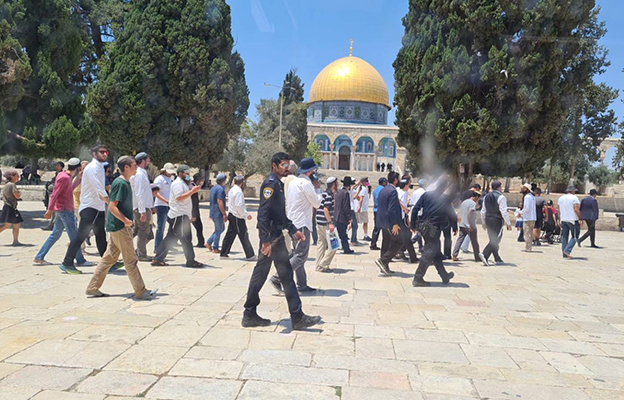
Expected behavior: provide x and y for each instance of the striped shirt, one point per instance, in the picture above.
(327, 201)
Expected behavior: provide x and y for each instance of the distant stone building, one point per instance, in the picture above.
(348, 116)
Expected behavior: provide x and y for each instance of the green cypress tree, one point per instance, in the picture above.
(172, 85)
(483, 81)
(49, 118)
(295, 122)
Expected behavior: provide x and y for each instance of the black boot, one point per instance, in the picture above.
(250, 321)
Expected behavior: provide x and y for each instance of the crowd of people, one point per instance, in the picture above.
(294, 214)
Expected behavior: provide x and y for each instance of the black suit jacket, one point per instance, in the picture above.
(388, 207)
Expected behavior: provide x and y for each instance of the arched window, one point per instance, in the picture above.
(365, 145)
(388, 147)
(322, 141)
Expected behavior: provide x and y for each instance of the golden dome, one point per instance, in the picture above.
(352, 79)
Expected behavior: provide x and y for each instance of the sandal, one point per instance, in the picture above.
(196, 264)
(157, 263)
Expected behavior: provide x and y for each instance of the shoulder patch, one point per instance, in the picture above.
(271, 178)
(267, 193)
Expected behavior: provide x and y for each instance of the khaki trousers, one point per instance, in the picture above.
(325, 256)
(143, 230)
(119, 242)
(527, 227)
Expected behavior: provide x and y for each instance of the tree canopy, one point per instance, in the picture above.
(486, 82)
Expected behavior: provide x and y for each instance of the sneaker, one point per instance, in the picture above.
(147, 294)
(95, 293)
(349, 252)
(277, 285)
(448, 278)
(70, 270)
(305, 321)
(383, 267)
(420, 283)
(145, 258)
(40, 262)
(116, 266)
(367, 239)
(252, 258)
(85, 264)
(307, 289)
(484, 260)
(251, 321)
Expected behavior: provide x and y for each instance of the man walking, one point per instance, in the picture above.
(494, 214)
(431, 215)
(93, 199)
(119, 226)
(180, 210)
(198, 180)
(62, 205)
(382, 183)
(342, 213)
(570, 214)
(529, 216)
(324, 224)
(302, 199)
(143, 202)
(540, 203)
(217, 213)
(468, 225)
(589, 213)
(362, 211)
(236, 218)
(163, 182)
(271, 221)
(390, 219)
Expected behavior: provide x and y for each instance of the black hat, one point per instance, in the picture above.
(307, 165)
(593, 192)
(347, 181)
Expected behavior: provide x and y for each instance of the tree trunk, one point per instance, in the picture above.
(550, 177)
(507, 184)
(572, 172)
(96, 36)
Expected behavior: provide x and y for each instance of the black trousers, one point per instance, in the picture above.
(90, 218)
(431, 255)
(463, 232)
(406, 235)
(591, 232)
(495, 233)
(236, 227)
(344, 238)
(390, 245)
(279, 256)
(199, 230)
(179, 229)
(448, 242)
(376, 231)
(314, 231)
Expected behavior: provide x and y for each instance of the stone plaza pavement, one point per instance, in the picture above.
(538, 328)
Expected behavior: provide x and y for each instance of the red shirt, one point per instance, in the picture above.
(62, 198)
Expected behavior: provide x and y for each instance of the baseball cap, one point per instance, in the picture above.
(382, 180)
(183, 168)
(168, 168)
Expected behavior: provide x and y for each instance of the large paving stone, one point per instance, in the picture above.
(147, 359)
(293, 374)
(256, 390)
(52, 378)
(117, 383)
(185, 388)
(429, 351)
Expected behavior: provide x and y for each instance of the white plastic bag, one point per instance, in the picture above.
(333, 243)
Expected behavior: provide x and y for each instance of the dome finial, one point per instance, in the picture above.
(351, 47)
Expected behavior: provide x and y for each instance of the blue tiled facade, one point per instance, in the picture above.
(354, 112)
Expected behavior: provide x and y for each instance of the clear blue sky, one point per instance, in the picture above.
(275, 35)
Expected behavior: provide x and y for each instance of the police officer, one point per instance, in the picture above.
(271, 221)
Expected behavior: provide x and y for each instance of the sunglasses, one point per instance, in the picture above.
(284, 165)
(103, 151)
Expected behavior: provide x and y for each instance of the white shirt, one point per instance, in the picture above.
(142, 198)
(355, 204)
(502, 206)
(365, 199)
(301, 199)
(236, 202)
(164, 189)
(92, 186)
(403, 199)
(566, 206)
(179, 208)
(416, 196)
(529, 212)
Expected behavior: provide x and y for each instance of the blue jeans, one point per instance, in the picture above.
(64, 220)
(219, 225)
(354, 226)
(569, 229)
(161, 215)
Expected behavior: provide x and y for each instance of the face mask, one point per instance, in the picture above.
(187, 178)
(315, 176)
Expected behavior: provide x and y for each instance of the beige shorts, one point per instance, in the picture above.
(362, 217)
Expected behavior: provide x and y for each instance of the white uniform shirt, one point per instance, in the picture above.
(92, 186)
(164, 189)
(301, 199)
(236, 202)
(142, 198)
(179, 208)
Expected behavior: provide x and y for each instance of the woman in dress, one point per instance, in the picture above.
(10, 216)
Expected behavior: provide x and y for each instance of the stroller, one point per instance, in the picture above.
(552, 234)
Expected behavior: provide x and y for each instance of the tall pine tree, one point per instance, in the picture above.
(483, 81)
(172, 86)
(295, 122)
